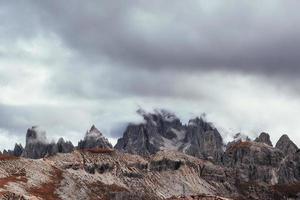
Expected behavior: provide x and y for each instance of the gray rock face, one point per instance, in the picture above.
(254, 161)
(164, 131)
(286, 145)
(206, 142)
(94, 139)
(36, 144)
(64, 146)
(18, 150)
(264, 138)
(147, 138)
(6, 153)
(137, 140)
(289, 171)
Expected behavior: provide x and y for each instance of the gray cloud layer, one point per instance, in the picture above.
(62, 62)
(251, 36)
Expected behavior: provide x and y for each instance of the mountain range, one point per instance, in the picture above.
(160, 158)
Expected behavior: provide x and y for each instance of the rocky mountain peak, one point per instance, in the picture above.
(94, 139)
(202, 123)
(164, 131)
(37, 145)
(64, 146)
(95, 133)
(286, 145)
(18, 150)
(159, 117)
(204, 140)
(35, 134)
(94, 129)
(264, 138)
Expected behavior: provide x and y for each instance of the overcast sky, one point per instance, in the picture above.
(65, 65)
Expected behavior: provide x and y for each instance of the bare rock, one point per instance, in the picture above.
(162, 130)
(64, 146)
(94, 139)
(264, 138)
(36, 144)
(18, 150)
(286, 145)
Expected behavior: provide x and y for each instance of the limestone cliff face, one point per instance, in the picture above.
(254, 161)
(204, 141)
(289, 171)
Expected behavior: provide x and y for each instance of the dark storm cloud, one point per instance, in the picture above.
(143, 40)
(65, 65)
(250, 36)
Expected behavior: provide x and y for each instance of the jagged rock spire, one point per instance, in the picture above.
(286, 145)
(64, 146)
(37, 145)
(264, 138)
(94, 139)
(18, 150)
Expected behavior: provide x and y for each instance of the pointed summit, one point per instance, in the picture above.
(286, 145)
(18, 150)
(264, 138)
(64, 146)
(94, 139)
(93, 128)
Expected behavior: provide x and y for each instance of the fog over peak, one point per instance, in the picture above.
(66, 66)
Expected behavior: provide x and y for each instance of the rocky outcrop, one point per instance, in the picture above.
(94, 139)
(18, 150)
(6, 153)
(286, 145)
(204, 140)
(162, 130)
(251, 170)
(37, 145)
(289, 171)
(64, 146)
(137, 139)
(264, 138)
(254, 161)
